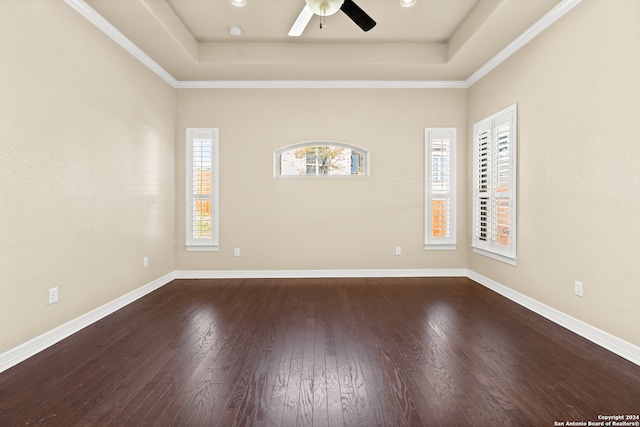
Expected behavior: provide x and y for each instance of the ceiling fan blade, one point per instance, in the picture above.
(301, 23)
(358, 15)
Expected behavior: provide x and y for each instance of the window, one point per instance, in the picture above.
(202, 189)
(440, 208)
(494, 186)
(321, 159)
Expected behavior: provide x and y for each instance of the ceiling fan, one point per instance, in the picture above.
(325, 8)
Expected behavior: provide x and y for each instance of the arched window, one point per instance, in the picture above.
(320, 158)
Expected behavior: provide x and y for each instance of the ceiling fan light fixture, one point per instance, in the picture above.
(324, 7)
(407, 3)
(238, 3)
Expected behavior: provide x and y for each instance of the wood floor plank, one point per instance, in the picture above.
(334, 400)
(292, 401)
(320, 352)
(320, 403)
(261, 378)
(276, 406)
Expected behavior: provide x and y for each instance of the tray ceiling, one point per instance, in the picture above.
(433, 40)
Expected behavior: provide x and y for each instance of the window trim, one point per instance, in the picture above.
(491, 249)
(210, 244)
(448, 243)
(278, 152)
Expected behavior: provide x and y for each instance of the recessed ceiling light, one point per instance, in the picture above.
(407, 3)
(235, 31)
(238, 3)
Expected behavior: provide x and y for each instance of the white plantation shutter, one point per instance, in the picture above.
(494, 175)
(483, 185)
(440, 212)
(202, 189)
(503, 189)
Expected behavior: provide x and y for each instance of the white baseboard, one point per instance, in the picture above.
(595, 335)
(36, 345)
(610, 342)
(282, 274)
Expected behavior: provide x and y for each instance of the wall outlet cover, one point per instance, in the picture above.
(578, 288)
(53, 295)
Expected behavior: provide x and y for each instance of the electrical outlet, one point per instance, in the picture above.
(578, 288)
(145, 262)
(53, 295)
(398, 250)
(236, 252)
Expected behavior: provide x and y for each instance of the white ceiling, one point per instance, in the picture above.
(433, 40)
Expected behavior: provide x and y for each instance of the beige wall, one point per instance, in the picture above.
(86, 169)
(578, 92)
(91, 179)
(320, 223)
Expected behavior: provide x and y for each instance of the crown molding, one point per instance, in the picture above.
(105, 26)
(532, 32)
(538, 27)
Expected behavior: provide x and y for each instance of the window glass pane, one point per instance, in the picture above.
(494, 208)
(440, 165)
(355, 163)
(439, 217)
(202, 218)
(320, 159)
(503, 166)
(503, 221)
(202, 160)
(440, 188)
(202, 197)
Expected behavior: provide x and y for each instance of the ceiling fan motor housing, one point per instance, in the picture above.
(324, 7)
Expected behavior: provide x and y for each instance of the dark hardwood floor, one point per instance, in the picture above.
(366, 352)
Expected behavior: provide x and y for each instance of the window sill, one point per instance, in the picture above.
(497, 257)
(202, 248)
(440, 247)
